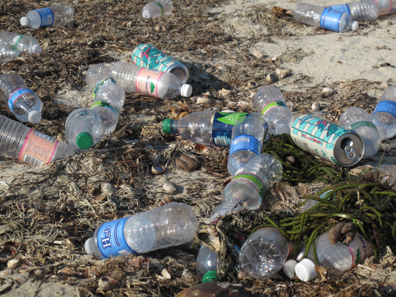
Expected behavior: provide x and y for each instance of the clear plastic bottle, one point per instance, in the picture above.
(83, 128)
(165, 226)
(246, 142)
(359, 11)
(386, 6)
(356, 118)
(385, 112)
(21, 100)
(109, 97)
(249, 185)
(149, 82)
(310, 203)
(264, 253)
(157, 9)
(269, 101)
(19, 43)
(50, 16)
(7, 54)
(225, 208)
(28, 145)
(207, 264)
(324, 17)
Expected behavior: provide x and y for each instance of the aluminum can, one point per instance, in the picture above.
(146, 55)
(327, 140)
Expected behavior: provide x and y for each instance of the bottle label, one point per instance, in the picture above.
(111, 239)
(146, 55)
(386, 106)
(101, 84)
(272, 104)
(223, 123)
(247, 143)
(15, 42)
(341, 8)
(47, 16)
(330, 19)
(16, 94)
(38, 148)
(252, 179)
(147, 82)
(161, 7)
(100, 103)
(363, 124)
(360, 249)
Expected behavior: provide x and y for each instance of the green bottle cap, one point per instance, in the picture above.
(84, 140)
(166, 126)
(209, 276)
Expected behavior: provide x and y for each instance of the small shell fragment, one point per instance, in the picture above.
(243, 104)
(316, 106)
(12, 264)
(169, 187)
(157, 169)
(328, 91)
(204, 100)
(252, 84)
(271, 78)
(107, 188)
(282, 72)
(224, 92)
(107, 284)
(185, 162)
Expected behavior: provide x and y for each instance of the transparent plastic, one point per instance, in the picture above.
(386, 6)
(388, 174)
(157, 9)
(206, 261)
(224, 209)
(27, 107)
(13, 136)
(364, 10)
(7, 54)
(109, 97)
(63, 14)
(386, 119)
(266, 168)
(370, 135)
(19, 43)
(278, 117)
(165, 226)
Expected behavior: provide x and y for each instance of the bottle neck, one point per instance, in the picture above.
(169, 126)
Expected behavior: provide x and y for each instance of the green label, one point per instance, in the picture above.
(15, 42)
(152, 87)
(106, 105)
(272, 104)
(363, 124)
(161, 7)
(101, 84)
(253, 180)
(231, 118)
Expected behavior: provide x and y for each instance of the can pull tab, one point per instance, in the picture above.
(350, 153)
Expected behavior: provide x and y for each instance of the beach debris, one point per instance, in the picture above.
(282, 73)
(157, 169)
(204, 100)
(252, 84)
(107, 188)
(169, 187)
(107, 284)
(185, 162)
(316, 106)
(271, 78)
(225, 92)
(8, 252)
(327, 91)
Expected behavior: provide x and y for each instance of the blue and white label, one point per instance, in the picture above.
(386, 106)
(16, 94)
(47, 17)
(330, 19)
(111, 239)
(341, 8)
(247, 143)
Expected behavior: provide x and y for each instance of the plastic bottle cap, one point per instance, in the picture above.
(280, 129)
(24, 21)
(289, 267)
(87, 245)
(305, 270)
(209, 276)
(186, 90)
(37, 49)
(166, 126)
(34, 117)
(84, 140)
(355, 26)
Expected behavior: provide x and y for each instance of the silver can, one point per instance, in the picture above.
(327, 140)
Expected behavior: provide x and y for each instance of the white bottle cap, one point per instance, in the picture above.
(186, 90)
(34, 117)
(305, 270)
(355, 26)
(37, 49)
(282, 128)
(87, 246)
(289, 268)
(24, 21)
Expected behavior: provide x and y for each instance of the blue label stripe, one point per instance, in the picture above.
(245, 142)
(16, 94)
(341, 8)
(47, 16)
(330, 19)
(386, 106)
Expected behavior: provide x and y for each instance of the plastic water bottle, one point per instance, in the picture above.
(340, 256)
(169, 225)
(224, 209)
(157, 9)
(150, 82)
(386, 6)
(207, 264)
(109, 97)
(263, 253)
(384, 114)
(21, 100)
(311, 203)
(326, 18)
(84, 129)
(269, 101)
(28, 145)
(359, 11)
(247, 142)
(19, 43)
(7, 54)
(50, 16)
(250, 183)
(356, 118)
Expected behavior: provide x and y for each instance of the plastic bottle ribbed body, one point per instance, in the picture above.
(357, 119)
(385, 112)
(246, 142)
(52, 16)
(263, 253)
(269, 101)
(308, 14)
(224, 209)
(157, 9)
(386, 6)
(22, 101)
(206, 261)
(249, 185)
(364, 10)
(7, 54)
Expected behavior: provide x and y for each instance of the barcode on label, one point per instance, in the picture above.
(240, 140)
(32, 161)
(43, 136)
(220, 141)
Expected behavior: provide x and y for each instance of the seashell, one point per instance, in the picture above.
(204, 100)
(224, 92)
(199, 148)
(328, 91)
(157, 169)
(290, 105)
(8, 252)
(258, 54)
(39, 272)
(252, 84)
(13, 263)
(271, 78)
(21, 280)
(243, 104)
(385, 65)
(107, 188)
(107, 284)
(154, 119)
(169, 187)
(166, 274)
(282, 72)
(6, 272)
(66, 270)
(167, 199)
(316, 106)
(185, 162)
(207, 94)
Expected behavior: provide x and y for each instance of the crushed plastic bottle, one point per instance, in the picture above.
(28, 145)
(109, 97)
(326, 18)
(21, 100)
(49, 16)
(359, 11)
(157, 9)
(165, 226)
(149, 82)
(207, 264)
(388, 174)
(20, 44)
(269, 101)
(250, 183)
(357, 119)
(84, 129)
(384, 114)
(311, 203)
(224, 209)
